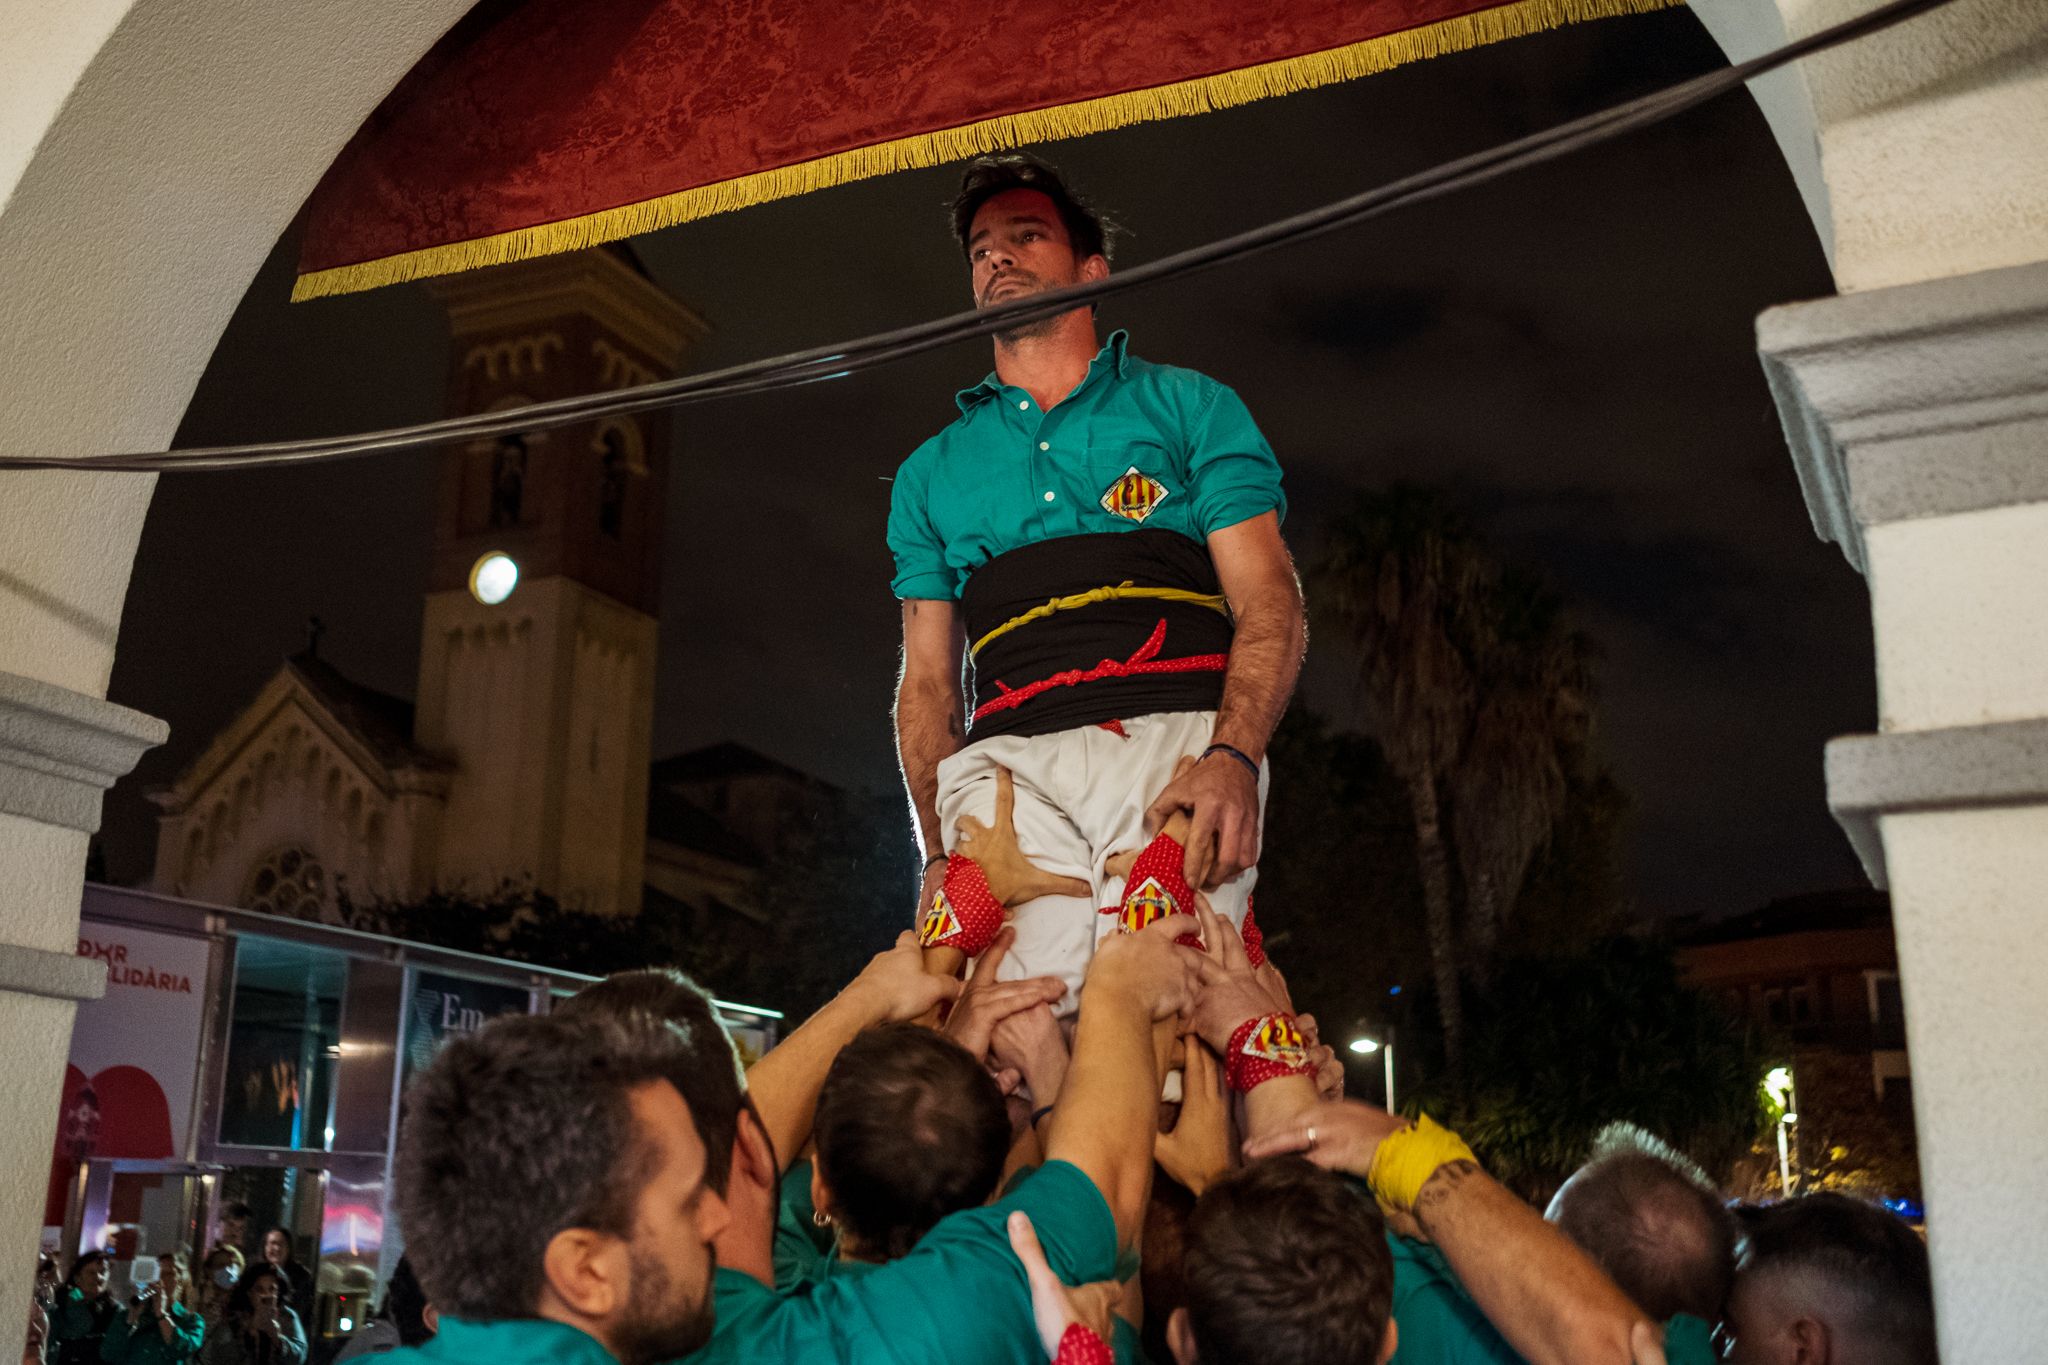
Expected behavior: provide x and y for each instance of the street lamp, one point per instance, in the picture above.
(1784, 1096)
(1365, 1047)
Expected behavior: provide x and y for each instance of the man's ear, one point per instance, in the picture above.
(1094, 268)
(1810, 1344)
(1180, 1337)
(586, 1273)
(1391, 1343)
(753, 1155)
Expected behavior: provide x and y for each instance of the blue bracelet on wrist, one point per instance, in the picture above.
(1236, 753)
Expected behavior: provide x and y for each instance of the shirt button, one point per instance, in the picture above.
(1045, 445)
(1048, 495)
(1023, 403)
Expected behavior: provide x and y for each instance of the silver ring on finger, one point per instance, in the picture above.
(1311, 1137)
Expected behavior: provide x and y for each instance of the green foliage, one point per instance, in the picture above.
(1558, 1047)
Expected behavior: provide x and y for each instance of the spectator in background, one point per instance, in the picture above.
(259, 1326)
(84, 1312)
(277, 1251)
(218, 1275)
(159, 1327)
(40, 1306)
(234, 1228)
(405, 1319)
(1829, 1280)
(1653, 1221)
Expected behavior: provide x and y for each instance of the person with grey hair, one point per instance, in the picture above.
(1653, 1221)
(1829, 1280)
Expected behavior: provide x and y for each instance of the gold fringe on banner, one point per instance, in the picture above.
(1199, 96)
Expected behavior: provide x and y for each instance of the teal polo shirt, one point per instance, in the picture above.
(959, 1297)
(1009, 474)
(804, 1252)
(506, 1341)
(1438, 1324)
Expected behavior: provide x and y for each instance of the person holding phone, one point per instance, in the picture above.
(259, 1327)
(158, 1328)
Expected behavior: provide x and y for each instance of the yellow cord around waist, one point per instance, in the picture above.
(1215, 601)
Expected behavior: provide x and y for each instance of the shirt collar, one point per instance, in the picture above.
(1116, 351)
(516, 1341)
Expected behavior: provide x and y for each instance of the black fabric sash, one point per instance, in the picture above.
(1083, 637)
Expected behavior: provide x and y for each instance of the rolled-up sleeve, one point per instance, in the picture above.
(921, 568)
(1233, 471)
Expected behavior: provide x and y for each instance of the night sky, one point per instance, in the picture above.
(1570, 351)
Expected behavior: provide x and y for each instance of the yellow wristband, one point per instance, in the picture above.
(1404, 1162)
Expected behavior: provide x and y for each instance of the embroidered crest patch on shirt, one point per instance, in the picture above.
(1135, 496)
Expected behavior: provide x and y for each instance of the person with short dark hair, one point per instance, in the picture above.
(1483, 1279)
(1097, 537)
(159, 1328)
(910, 1128)
(258, 1326)
(234, 1228)
(84, 1311)
(1085, 1200)
(1653, 1222)
(1829, 1280)
(1284, 1263)
(554, 1195)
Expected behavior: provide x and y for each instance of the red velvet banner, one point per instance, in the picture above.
(550, 125)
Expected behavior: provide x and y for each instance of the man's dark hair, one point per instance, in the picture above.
(238, 1210)
(1286, 1262)
(514, 1133)
(710, 1079)
(909, 1129)
(998, 173)
(1856, 1261)
(1650, 1218)
(405, 1305)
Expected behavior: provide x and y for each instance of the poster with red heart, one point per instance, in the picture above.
(134, 1052)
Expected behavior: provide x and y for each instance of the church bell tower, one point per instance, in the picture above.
(537, 660)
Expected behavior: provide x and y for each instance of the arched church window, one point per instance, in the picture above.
(508, 481)
(290, 881)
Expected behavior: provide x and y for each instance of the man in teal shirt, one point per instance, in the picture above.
(552, 1188)
(960, 1296)
(1099, 537)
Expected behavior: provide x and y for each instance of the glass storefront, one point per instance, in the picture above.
(243, 1074)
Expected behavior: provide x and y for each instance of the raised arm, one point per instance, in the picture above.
(1220, 793)
(784, 1084)
(1109, 1104)
(1543, 1294)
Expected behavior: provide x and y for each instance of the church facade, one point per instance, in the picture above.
(523, 763)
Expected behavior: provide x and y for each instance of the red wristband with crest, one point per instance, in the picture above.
(1264, 1049)
(964, 913)
(1157, 887)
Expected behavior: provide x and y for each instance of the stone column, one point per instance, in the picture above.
(59, 752)
(1918, 419)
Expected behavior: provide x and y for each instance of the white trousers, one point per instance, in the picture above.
(1081, 799)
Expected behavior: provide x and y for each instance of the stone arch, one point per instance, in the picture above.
(1890, 141)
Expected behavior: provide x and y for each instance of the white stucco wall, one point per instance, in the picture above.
(150, 155)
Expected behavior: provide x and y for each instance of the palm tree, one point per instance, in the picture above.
(1399, 575)
(1530, 731)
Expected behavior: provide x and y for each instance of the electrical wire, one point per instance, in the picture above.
(832, 362)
